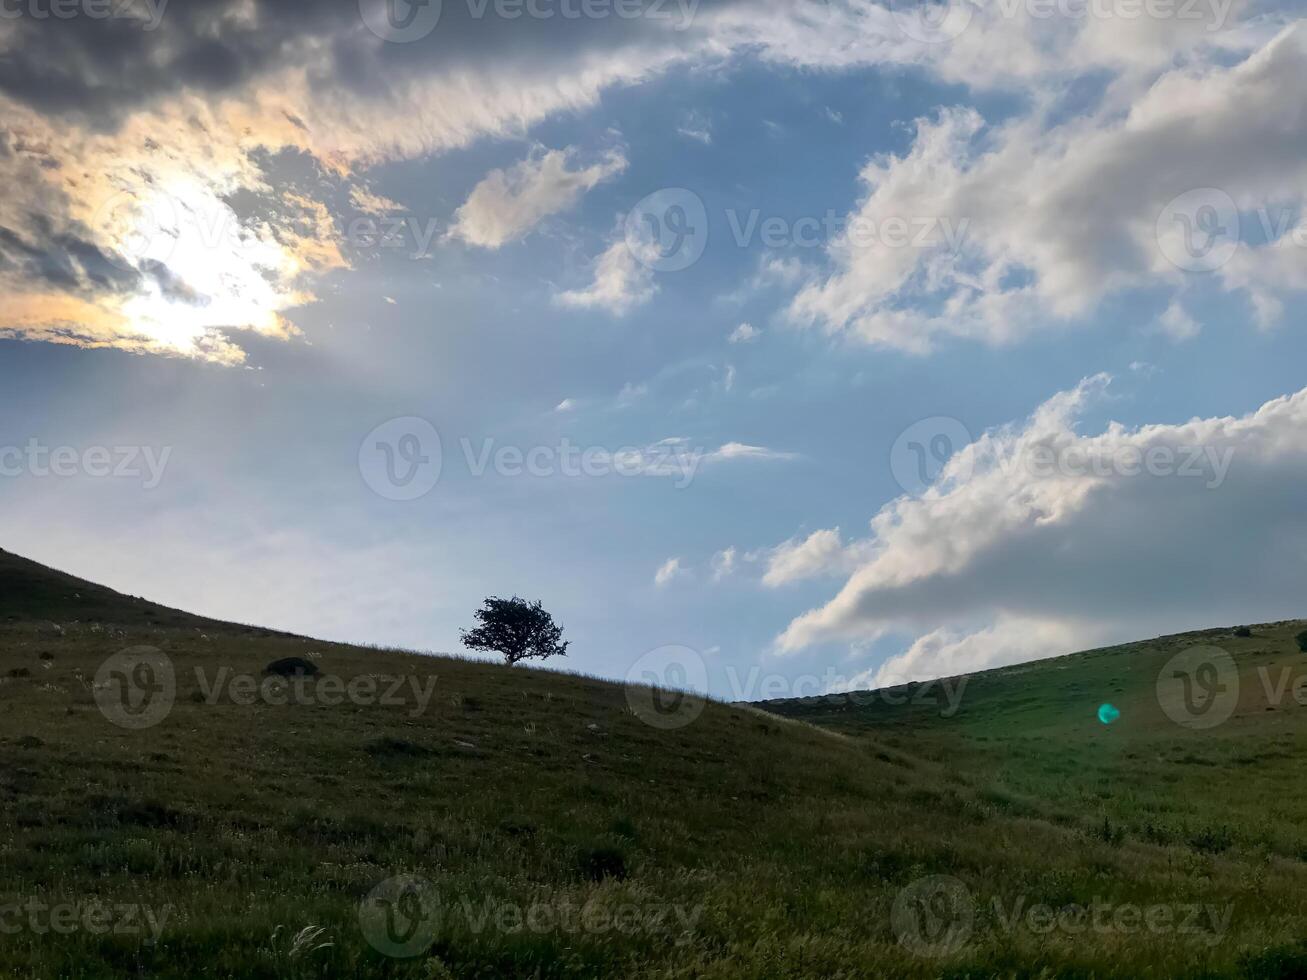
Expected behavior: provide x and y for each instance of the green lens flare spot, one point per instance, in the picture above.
(1108, 713)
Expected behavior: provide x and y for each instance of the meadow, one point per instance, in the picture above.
(404, 815)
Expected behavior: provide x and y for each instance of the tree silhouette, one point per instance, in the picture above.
(518, 629)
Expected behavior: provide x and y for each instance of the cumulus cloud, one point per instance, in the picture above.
(184, 112)
(820, 554)
(507, 204)
(178, 118)
(1060, 212)
(949, 652)
(1106, 536)
(621, 283)
(1177, 324)
(723, 564)
(743, 334)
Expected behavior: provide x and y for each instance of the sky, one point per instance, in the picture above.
(802, 345)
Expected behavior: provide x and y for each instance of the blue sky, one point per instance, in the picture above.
(186, 269)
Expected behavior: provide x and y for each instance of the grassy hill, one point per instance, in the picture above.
(559, 835)
(29, 591)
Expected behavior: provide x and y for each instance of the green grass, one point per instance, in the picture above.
(746, 844)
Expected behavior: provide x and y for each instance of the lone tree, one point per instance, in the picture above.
(518, 629)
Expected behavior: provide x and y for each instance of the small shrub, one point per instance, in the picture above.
(389, 746)
(1274, 962)
(1301, 639)
(1109, 834)
(292, 667)
(623, 827)
(1243, 631)
(1212, 840)
(598, 863)
(152, 813)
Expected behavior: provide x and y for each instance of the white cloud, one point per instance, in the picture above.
(476, 79)
(1177, 324)
(695, 126)
(621, 283)
(365, 200)
(566, 405)
(667, 571)
(738, 450)
(1058, 216)
(631, 393)
(723, 564)
(507, 204)
(945, 652)
(743, 334)
(1106, 536)
(820, 554)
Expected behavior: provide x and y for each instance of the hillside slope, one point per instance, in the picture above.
(273, 833)
(1167, 767)
(31, 591)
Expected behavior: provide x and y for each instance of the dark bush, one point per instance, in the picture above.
(1243, 631)
(1275, 962)
(292, 667)
(1212, 840)
(1302, 641)
(389, 746)
(598, 863)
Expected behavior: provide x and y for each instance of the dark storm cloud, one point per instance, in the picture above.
(63, 259)
(94, 68)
